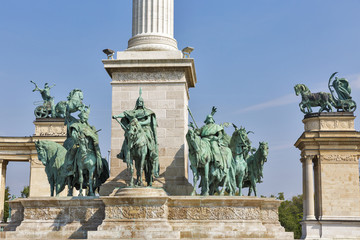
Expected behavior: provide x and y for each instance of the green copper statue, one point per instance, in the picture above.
(52, 155)
(48, 107)
(342, 102)
(78, 163)
(140, 144)
(223, 163)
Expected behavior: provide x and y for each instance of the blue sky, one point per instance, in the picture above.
(248, 57)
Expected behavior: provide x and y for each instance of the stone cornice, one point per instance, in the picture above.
(182, 64)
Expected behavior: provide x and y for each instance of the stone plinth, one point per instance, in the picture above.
(165, 80)
(54, 218)
(146, 217)
(330, 152)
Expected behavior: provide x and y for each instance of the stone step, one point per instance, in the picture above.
(226, 235)
(133, 235)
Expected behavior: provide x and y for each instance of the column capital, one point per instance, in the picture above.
(307, 158)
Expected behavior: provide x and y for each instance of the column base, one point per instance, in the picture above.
(330, 229)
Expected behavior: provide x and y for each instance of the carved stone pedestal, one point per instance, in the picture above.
(145, 216)
(329, 154)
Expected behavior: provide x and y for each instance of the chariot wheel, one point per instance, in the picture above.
(41, 112)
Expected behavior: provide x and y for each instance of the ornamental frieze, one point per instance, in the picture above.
(211, 213)
(150, 76)
(336, 158)
(135, 212)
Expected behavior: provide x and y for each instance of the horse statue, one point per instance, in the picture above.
(52, 155)
(255, 165)
(240, 146)
(139, 151)
(200, 157)
(88, 173)
(73, 104)
(308, 99)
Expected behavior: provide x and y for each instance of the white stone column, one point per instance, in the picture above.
(3, 165)
(309, 213)
(152, 26)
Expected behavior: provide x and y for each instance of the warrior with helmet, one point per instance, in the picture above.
(147, 120)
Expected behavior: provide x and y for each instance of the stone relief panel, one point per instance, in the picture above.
(161, 76)
(335, 158)
(337, 124)
(135, 212)
(50, 130)
(45, 213)
(87, 213)
(269, 215)
(213, 213)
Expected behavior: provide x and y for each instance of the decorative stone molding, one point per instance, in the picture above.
(270, 215)
(213, 213)
(326, 122)
(50, 130)
(336, 158)
(159, 76)
(135, 212)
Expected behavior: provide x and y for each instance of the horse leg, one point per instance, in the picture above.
(253, 184)
(70, 186)
(195, 178)
(131, 173)
(91, 181)
(142, 163)
(206, 179)
(81, 180)
(52, 186)
(138, 172)
(250, 187)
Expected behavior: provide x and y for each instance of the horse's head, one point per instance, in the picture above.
(134, 128)
(264, 149)
(193, 139)
(301, 88)
(42, 151)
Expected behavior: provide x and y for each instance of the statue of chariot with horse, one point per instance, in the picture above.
(78, 162)
(339, 97)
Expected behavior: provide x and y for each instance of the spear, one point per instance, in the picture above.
(192, 116)
(122, 125)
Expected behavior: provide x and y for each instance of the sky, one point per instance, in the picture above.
(248, 57)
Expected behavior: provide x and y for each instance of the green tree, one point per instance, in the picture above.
(6, 204)
(291, 214)
(25, 192)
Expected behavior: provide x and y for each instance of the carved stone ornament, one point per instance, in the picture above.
(164, 76)
(135, 212)
(209, 213)
(336, 125)
(269, 215)
(50, 130)
(335, 158)
(44, 213)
